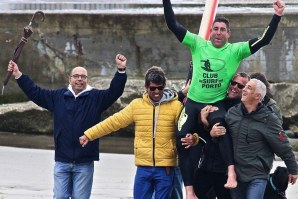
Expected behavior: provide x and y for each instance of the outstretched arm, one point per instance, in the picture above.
(172, 24)
(257, 43)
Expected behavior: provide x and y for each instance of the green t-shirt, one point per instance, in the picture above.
(213, 68)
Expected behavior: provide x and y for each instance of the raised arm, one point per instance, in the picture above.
(257, 43)
(110, 95)
(172, 24)
(121, 62)
(40, 96)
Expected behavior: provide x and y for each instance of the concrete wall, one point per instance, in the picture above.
(63, 41)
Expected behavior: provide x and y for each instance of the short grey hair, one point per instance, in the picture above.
(260, 88)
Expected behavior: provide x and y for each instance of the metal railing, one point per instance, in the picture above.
(124, 6)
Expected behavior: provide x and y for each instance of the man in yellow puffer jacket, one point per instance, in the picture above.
(155, 116)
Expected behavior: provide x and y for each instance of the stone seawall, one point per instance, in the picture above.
(63, 41)
(28, 118)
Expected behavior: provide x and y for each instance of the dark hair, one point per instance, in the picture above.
(224, 20)
(155, 75)
(242, 74)
(263, 79)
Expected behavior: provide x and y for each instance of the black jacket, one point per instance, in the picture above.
(73, 115)
(257, 136)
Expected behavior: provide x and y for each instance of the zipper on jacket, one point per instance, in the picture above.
(74, 159)
(155, 120)
(237, 139)
(153, 136)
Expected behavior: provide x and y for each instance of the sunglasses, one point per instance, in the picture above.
(240, 86)
(153, 88)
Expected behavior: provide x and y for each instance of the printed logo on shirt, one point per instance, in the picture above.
(210, 78)
(213, 65)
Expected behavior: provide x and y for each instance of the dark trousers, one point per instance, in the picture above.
(206, 183)
(188, 123)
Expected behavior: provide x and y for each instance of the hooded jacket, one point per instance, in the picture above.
(155, 139)
(74, 114)
(273, 106)
(257, 136)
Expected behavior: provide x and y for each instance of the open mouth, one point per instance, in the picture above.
(234, 91)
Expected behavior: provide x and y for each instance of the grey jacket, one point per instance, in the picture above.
(272, 104)
(257, 136)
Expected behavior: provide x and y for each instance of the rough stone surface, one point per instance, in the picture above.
(29, 118)
(93, 40)
(25, 117)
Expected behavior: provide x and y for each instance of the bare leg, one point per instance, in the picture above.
(190, 193)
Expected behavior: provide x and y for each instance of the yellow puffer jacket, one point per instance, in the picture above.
(151, 149)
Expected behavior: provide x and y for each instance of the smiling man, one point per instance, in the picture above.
(237, 84)
(74, 109)
(155, 116)
(257, 135)
(214, 64)
(78, 79)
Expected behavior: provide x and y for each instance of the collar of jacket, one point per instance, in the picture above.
(245, 112)
(71, 92)
(168, 95)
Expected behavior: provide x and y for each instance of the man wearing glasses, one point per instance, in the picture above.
(75, 109)
(211, 172)
(155, 116)
(214, 64)
(210, 176)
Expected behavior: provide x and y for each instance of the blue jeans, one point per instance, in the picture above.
(73, 180)
(151, 179)
(254, 189)
(177, 186)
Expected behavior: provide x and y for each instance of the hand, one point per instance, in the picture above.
(279, 7)
(205, 113)
(217, 130)
(120, 61)
(292, 178)
(188, 141)
(83, 140)
(13, 67)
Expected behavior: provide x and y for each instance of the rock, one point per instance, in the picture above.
(25, 117)
(290, 134)
(294, 144)
(29, 118)
(286, 96)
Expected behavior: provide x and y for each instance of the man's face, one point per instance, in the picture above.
(249, 95)
(219, 34)
(155, 91)
(78, 79)
(236, 86)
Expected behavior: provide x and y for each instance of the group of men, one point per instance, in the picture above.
(241, 142)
